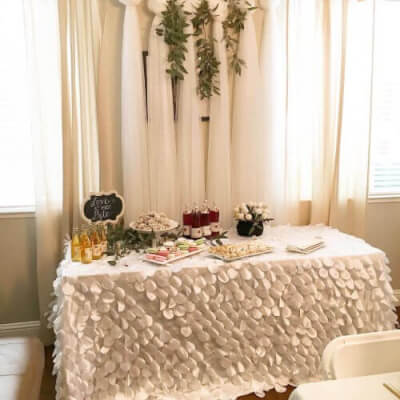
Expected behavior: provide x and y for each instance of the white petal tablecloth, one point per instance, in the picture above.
(202, 329)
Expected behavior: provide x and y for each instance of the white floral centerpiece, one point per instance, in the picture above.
(251, 217)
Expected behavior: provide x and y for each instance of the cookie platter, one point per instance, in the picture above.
(238, 251)
(172, 251)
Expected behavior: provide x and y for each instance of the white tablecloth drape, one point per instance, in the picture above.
(202, 329)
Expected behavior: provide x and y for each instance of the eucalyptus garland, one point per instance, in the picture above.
(207, 64)
(232, 26)
(121, 242)
(172, 27)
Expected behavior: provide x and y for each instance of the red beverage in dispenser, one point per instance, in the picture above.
(205, 220)
(187, 222)
(196, 223)
(214, 220)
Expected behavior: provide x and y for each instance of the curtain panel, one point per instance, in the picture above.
(317, 109)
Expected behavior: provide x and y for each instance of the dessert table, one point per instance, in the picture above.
(204, 329)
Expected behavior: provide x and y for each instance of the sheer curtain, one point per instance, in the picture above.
(248, 135)
(43, 55)
(189, 136)
(350, 192)
(135, 167)
(80, 36)
(219, 133)
(326, 90)
(109, 94)
(161, 128)
(273, 72)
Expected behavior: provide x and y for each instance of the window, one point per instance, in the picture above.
(16, 172)
(385, 124)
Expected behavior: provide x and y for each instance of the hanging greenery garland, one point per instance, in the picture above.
(232, 26)
(172, 27)
(207, 64)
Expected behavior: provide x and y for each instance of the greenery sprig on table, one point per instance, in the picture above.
(172, 27)
(217, 240)
(207, 64)
(232, 27)
(121, 241)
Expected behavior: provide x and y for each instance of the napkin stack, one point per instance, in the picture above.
(305, 247)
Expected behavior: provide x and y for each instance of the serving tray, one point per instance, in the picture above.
(241, 257)
(171, 260)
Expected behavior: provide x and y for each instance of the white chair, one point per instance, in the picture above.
(361, 355)
(21, 368)
(358, 364)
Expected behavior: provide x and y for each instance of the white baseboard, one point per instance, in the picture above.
(397, 295)
(28, 328)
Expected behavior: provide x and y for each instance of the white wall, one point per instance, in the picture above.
(383, 231)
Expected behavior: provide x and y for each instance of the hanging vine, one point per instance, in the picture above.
(232, 26)
(172, 27)
(207, 64)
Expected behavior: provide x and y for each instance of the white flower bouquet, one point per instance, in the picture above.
(251, 217)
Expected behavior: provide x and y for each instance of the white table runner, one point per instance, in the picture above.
(202, 329)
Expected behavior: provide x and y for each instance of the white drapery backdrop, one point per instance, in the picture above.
(135, 163)
(64, 50)
(161, 127)
(43, 54)
(289, 131)
(190, 138)
(219, 187)
(324, 115)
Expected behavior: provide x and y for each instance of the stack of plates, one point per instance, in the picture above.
(306, 247)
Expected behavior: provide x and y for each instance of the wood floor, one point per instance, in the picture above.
(48, 383)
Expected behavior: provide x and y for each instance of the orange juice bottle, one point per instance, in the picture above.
(86, 247)
(75, 246)
(96, 244)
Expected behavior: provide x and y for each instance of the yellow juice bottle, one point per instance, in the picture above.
(86, 247)
(103, 238)
(75, 246)
(96, 244)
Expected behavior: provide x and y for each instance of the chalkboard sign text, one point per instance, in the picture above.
(103, 207)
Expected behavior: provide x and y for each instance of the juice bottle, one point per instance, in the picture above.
(86, 247)
(103, 238)
(96, 244)
(187, 222)
(75, 246)
(196, 223)
(205, 220)
(214, 220)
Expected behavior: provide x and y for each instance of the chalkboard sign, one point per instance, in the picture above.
(103, 207)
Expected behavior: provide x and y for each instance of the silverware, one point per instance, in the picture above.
(392, 389)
